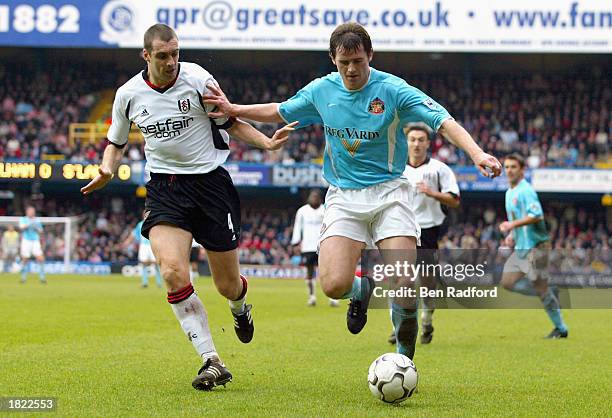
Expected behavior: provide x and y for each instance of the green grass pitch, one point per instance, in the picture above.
(104, 347)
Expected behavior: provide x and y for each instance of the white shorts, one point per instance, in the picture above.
(11, 252)
(30, 248)
(534, 264)
(145, 254)
(370, 214)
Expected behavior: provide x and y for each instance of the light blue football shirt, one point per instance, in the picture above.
(137, 233)
(364, 139)
(522, 201)
(32, 230)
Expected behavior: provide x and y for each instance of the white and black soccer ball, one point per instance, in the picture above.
(392, 378)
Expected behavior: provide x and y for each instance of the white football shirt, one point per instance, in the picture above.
(307, 227)
(440, 178)
(179, 136)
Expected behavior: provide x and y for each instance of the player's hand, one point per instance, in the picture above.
(423, 188)
(487, 164)
(281, 136)
(509, 241)
(101, 180)
(218, 99)
(506, 227)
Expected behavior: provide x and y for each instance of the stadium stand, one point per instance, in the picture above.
(554, 120)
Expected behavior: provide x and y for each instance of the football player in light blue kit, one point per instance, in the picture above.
(31, 228)
(363, 112)
(525, 270)
(146, 257)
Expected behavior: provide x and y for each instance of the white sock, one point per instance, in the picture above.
(426, 316)
(194, 321)
(237, 306)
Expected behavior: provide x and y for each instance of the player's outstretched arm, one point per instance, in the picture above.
(267, 112)
(110, 162)
(508, 226)
(488, 165)
(246, 133)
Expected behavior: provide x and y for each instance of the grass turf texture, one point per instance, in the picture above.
(105, 347)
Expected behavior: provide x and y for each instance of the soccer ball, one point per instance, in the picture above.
(392, 378)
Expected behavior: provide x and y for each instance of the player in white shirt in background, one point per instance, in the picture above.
(31, 228)
(306, 231)
(435, 185)
(194, 259)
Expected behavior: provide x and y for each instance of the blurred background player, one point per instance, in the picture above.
(435, 185)
(145, 255)
(10, 247)
(363, 111)
(194, 260)
(31, 228)
(306, 230)
(526, 270)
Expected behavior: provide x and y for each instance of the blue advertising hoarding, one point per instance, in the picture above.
(564, 26)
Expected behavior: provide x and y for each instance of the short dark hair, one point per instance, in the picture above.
(158, 31)
(518, 158)
(349, 37)
(420, 128)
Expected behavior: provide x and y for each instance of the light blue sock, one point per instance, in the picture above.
(41, 273)
(406, 329)
(355, 291)
(158, 278)
(524, 287)
(552, 308)
(24, 272)
(145, 276)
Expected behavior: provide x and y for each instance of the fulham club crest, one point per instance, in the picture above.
(376, 106)
(184, 105)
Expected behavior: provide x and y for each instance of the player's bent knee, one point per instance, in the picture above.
(334, 286)
(174, 274)
(507, 284)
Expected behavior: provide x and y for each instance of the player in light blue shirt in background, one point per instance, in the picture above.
(526, 270)
(31, 228)
(145, 255)
(363, 112)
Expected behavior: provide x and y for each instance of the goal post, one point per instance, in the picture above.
(68, 221)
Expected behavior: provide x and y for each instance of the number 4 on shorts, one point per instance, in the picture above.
(230, 225)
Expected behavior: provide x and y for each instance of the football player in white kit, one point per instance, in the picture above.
(190, 196)
(434, 185)
(31, 228)
(194, 260)
(306, 230)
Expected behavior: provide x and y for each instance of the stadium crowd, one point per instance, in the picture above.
(553, 120)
